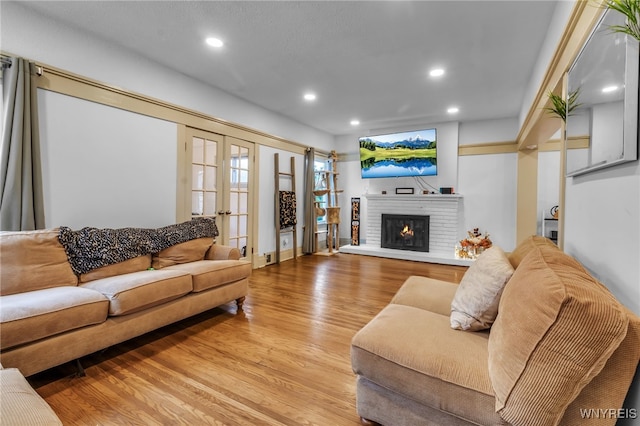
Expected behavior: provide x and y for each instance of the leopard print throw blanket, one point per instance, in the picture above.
(91, 248)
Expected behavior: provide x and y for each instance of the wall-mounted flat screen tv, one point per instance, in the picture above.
(399, 154)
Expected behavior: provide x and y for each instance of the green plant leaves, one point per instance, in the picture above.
(631, 10)
(561, 108)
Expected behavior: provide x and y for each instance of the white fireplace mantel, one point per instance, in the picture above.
(445, 220)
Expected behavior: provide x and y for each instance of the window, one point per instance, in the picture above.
(321, 183)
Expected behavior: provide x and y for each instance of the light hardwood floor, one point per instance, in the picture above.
(283, 360)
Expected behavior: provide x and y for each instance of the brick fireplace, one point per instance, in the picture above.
(445, 226)
(405, 232)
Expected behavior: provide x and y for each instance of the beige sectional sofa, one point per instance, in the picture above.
(562, 351)
(50, 315)
(20, 404)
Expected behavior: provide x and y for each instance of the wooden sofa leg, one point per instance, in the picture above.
(367, 422)
(80, 368)
(240, 301)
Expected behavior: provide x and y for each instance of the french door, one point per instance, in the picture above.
(221, 182)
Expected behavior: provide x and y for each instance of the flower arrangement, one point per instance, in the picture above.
(473, 245)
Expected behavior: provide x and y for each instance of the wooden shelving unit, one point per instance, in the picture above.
(291, 175)
(327, 184)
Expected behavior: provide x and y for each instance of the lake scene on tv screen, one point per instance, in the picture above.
(399, 154)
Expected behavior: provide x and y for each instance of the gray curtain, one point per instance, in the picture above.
(21, 193)
(308, 238)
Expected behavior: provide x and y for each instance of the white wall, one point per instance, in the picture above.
(548, 186)
(92, 156)
(602, 228)
(488, 131)
(266, 202)
(488, 184)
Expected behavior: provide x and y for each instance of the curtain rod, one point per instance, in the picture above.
(5, 61)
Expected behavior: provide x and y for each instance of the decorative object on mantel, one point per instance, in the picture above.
(404, 190)
(554, 212)
(472, 246)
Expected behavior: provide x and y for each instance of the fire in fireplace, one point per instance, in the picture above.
(405, 232)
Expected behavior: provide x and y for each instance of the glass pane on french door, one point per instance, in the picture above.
(240, 166)
(206, 150)
(221, 185)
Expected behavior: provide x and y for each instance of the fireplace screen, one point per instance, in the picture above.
(405, 232)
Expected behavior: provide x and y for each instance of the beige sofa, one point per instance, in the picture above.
(50, 315)
(20, 404)
(562, 351)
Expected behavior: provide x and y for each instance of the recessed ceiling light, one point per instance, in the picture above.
(436, 72)
(453, 110)
(214, 42)
(355, 122)
(309, 97)
(609, 89)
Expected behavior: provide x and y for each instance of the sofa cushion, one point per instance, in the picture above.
(220, 252)
(135, 264)
(27, 317)
(475, 305)
(188, 251)
(208, 274)
(20, 404)
(33, 260)
(426, 293)
(556, 328)
(141, 290)
(526, 245)
(415, 352)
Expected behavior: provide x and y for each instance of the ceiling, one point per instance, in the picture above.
(365, 60)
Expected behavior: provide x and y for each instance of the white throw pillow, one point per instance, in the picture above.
(475, 304)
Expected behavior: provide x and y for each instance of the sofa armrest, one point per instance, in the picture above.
(219, 252)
